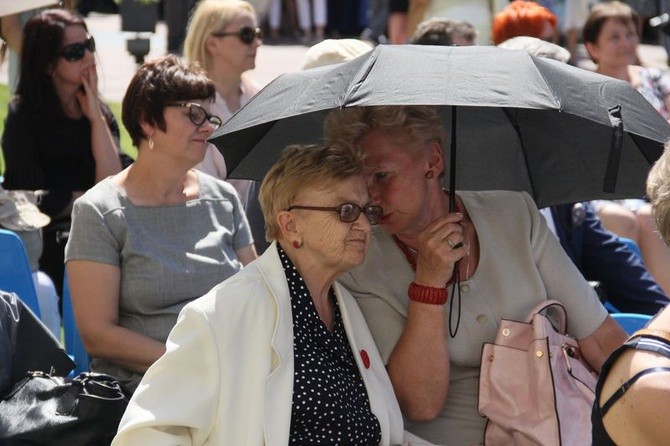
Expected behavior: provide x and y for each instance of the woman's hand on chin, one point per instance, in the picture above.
(87, 96)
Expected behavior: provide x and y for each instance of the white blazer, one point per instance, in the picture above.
(227, 375)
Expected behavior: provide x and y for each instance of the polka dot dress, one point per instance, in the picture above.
(330, 402)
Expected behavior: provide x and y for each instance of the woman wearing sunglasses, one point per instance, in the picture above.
(279, 353)
(157, 235)
(223, 37)
(59, 136)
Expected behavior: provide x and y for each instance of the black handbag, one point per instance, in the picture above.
(26, 344)
(46, 410)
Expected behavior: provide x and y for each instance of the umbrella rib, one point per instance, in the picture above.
(547, 84)
(360, 76)
(515, 125)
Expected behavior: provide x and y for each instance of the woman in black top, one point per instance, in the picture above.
(633, 393)
(59, 136)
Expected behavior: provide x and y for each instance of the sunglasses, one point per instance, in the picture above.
(349, 212)
(75, 51)
(198, 115)
(246, 34)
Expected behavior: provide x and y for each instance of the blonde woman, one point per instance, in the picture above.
(223, 37)
(280, 354)
(632, 396)
(506, 265)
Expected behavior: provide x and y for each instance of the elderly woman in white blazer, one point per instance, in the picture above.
(279, 353)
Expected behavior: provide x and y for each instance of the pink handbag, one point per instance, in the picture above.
(534, 386)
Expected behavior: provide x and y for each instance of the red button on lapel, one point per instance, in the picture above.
(365, 358)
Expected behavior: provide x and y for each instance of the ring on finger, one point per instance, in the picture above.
(450, 243)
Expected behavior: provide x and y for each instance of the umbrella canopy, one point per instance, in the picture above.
(560, 133)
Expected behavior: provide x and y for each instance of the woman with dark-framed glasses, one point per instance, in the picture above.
(223, 37)
(59, 137)
(157, 235)
(279, 353)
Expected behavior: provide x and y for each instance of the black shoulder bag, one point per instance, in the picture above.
(46, 410)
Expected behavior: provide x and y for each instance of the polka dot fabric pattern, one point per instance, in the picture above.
(330, 402)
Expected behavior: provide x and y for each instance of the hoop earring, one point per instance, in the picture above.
(429, 174)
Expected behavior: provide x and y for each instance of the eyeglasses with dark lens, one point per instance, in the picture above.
(198, 115)
(75, 51)
(349, 212)
(246, 34)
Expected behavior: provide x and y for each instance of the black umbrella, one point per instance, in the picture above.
(560, 133)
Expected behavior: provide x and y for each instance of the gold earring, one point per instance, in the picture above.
(151, 143)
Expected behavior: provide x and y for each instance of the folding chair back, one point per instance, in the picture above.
(73, 343)
(631, 322)
(15, 274)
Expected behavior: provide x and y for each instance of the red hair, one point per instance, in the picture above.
(521, 18)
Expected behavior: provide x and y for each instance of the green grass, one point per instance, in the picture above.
(126, 144)
(4, 100)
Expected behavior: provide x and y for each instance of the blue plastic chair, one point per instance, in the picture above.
(15, 274)
(631, 322)
(73, 343)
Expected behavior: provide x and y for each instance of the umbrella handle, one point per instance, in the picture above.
(452, 162)
(456, 286)
(616, 147)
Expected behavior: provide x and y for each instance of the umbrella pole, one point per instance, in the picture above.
(452, 163)
(456, 284)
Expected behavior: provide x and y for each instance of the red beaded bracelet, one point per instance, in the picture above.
(427, 294)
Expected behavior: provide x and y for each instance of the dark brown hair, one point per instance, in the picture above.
(441, 31)
(602, 12)
(156, 84)
(43, 36)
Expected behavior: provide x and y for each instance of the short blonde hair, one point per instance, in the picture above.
(301, 167)
(210, 16)
(411, 123)
(658, 191)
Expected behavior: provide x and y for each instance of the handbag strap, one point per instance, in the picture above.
(560, 315)
(655, 332)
